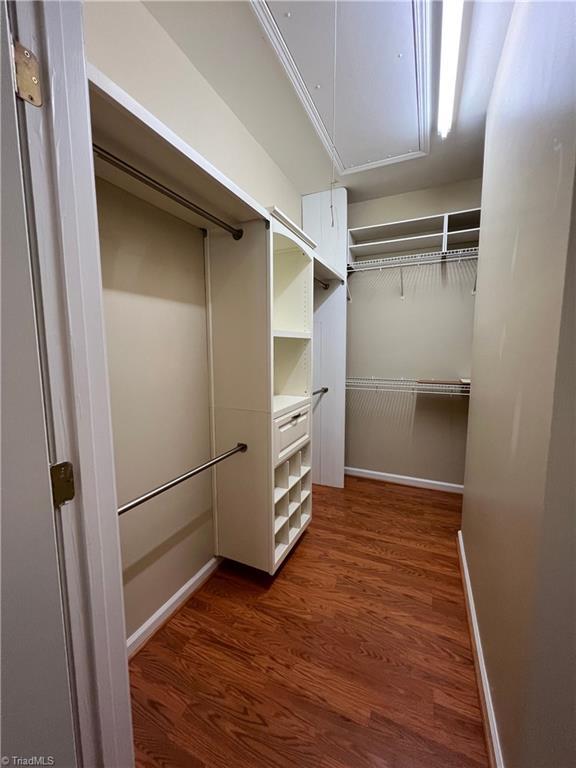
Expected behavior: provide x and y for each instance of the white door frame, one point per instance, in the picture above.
(62, 206)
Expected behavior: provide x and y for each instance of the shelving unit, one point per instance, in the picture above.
(261, 303)
(428, 235)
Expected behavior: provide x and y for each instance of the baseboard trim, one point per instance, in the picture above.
(416, 482)
(490, 724)
(161, 616)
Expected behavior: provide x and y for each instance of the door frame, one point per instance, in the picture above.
(61, 205)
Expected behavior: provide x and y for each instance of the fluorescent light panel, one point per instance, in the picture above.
(451, 33)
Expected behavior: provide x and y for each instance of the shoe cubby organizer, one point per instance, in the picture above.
(292, 500)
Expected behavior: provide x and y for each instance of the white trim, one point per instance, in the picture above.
(144, 633)
(422, 34)
(416, 482)
(387, 161)
(481, 663)
(63, 203)
(283, 219)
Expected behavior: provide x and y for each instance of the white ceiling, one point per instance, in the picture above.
(377, 113)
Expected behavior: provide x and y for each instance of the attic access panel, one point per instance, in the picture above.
(382, 75)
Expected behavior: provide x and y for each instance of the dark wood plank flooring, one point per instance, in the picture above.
(357, 655)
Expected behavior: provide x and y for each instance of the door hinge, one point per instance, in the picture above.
(26, 75)
(62, 478)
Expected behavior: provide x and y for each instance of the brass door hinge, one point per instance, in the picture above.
(62, 478)
(27, 75)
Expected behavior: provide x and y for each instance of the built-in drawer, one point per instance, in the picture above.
(290, 431)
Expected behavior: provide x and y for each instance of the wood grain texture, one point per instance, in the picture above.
(356, 655)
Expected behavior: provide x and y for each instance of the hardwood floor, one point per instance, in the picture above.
(356, 655)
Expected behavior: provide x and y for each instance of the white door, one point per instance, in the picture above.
(37, 717)
(65, 694)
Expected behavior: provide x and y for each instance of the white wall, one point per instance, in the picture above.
(519, 498)
(155, 312)
(424, 202)
(127, 44)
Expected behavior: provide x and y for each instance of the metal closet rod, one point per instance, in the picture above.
(326, 284)
(321, 391)
(240, 448)
(122, 165)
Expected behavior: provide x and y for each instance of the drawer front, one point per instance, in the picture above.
(289, 430)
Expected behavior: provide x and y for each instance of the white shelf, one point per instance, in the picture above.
(293, 507)
(423, 226)
(124, 127)
(293, 533)
(397, 245)
(305, 470)
(292, 480)
(279, 493)
(279, 521)
(324, 272)
(411, 386)
(284, 403)
(305, 495)
(464, 236)
(415, 259)
(292, 334)
(279, 551)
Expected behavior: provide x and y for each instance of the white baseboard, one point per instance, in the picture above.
(145, 632)
(496, 758)
(417, 482)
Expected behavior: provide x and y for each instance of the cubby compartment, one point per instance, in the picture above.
(294, 498)
(292, 366)
(465, 238)
(294, 525)
(295, 464)
(292, 308)
(280, 481)
(281, 540)
(306, 511)
(281, 513)
(463, 220)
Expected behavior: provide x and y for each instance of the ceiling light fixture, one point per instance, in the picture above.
(451, 33)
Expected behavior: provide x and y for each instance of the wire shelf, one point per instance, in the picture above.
(411, 386)
(415, 260)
